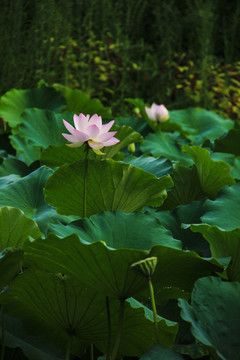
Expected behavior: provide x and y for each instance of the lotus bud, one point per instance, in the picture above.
(157, 113)
(131, 148)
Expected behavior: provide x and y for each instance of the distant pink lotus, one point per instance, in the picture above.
(157, 113)
(92, 131)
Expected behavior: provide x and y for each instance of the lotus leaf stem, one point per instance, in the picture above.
(109, 328)
(119, 331)
(3, 336)
(69, 347)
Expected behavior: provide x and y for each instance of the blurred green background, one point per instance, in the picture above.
(179, 53)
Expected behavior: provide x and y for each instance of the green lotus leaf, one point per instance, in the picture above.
(159, 352)
(186, 189)
(157, 166)
(11, 165)
(108, 271)
(110, 185)
(126, 135)
(80, 102)
(202, 124)
(223, 243)
(10, 265)
(164, 144)
(229, 144)
(214, 315)
(59, 309)
(33, 347)
(184, 214)
(14, 102)
(15, 228)
(42, 127)
(55, 156)
(119, 230)
(212, 175)
(224, 212)
(26, 194)
(194, 351)
(136, 123)
(6, 180)
(232, 160)
(25, 148)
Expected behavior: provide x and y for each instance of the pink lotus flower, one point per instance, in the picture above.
(92, 131)
(157, 113)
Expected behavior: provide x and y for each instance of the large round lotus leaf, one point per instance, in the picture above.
(202, 124)
(186, 187)
(33, 347)
(159, 352)
(157, 166)
(27, 195)
(232, 160)
(230, 143)
(15, 228)
(108, 270)
(223, 244)
(14, 102)
(80, 102)
(214, 315)
(225, 210)
(212, 175)
(110, 185)
(10, 265)
(164, 144)
(58, 309)
(42, 127)
(120, 230)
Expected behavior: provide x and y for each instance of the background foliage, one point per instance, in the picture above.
(111, 50)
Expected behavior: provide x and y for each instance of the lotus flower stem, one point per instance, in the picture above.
(109, 328)
(120, 327)
(85, 182)
(154, 309)
(3, 336)
(69, 346)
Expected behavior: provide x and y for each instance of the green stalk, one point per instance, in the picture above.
(109, 328)
(69, 346)
(91, 351)
(3, 337)
(85, 182)
(154, 309)
(119, 332)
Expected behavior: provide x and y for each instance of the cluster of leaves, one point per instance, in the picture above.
(95, 66)
(222, 93)
(69, 279)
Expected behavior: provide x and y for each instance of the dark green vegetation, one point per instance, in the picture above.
(157, 50)
(134, 254)
(164, 219)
